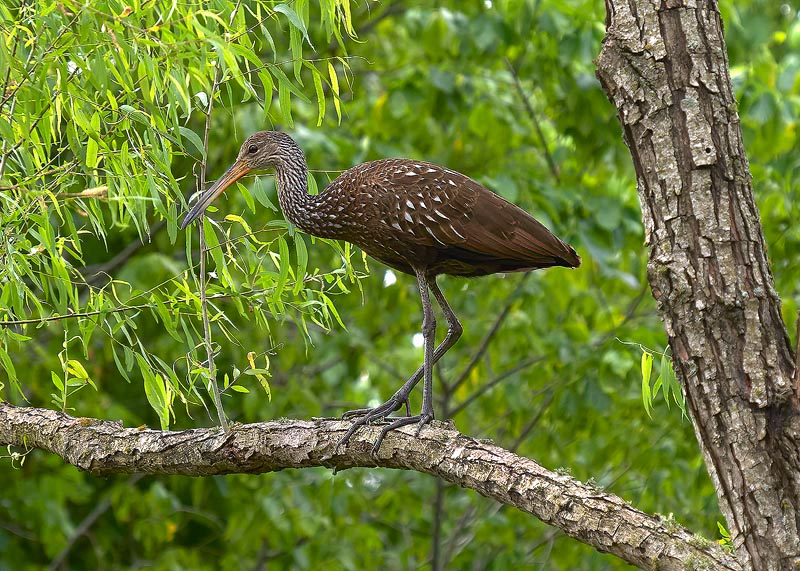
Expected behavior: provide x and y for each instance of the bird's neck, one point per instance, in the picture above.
(297, 204)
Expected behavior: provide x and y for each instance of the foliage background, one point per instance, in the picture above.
(103, 121)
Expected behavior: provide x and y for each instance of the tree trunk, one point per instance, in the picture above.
(664, 66)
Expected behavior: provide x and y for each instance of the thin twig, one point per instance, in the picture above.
(548, 538)
(265, 555)
(437, 563)
(6, 80)
(16, 322)
(212, 372)
(219, 295)
(489, 336)
(486, 387)
(87, 523)
(18, 531)
(121, 258)
(8, 96)
(35, 122)
(532, 422)
(551, 164)
(41, 174)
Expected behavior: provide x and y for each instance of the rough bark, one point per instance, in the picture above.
(664, 66)
(582, 511)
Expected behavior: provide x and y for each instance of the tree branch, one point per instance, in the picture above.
(85, 525)
(582, 511)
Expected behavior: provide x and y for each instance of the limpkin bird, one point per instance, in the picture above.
(416, 217)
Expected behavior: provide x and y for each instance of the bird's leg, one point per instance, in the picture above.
(396, 401)
(454, 331)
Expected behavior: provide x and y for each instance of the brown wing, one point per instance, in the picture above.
(457, 225)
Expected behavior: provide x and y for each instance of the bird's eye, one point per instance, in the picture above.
(252, 149)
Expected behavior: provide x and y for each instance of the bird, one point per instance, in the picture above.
(416, 217)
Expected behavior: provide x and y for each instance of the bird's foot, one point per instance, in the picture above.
(370, 415)
(420, 419)
(380, 411)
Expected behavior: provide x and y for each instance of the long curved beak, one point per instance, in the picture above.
(237, 171)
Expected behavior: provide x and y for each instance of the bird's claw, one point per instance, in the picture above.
(420, 419)
(370, 415)
(380, 411)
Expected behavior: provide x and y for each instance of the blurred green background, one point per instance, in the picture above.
(103, 116)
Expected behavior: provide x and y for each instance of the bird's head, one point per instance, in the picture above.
(262, 150)
(267, 150)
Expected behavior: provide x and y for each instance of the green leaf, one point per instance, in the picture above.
(14, 336)
(283, 267)
(256, 372)
(8, 366)
(269, 86)
(239, 220)
(91, 153)
(284, 80)
(663, 377)
(647, 369)
(57, 381)
(284, 98)
(76, 368)
(194, 139)
(156, 391)
(260, 193)
(335, 88)
(332, 308)
(320, 95)
(262, 380)
(302, 263)
(213, 248)
(296, 21)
